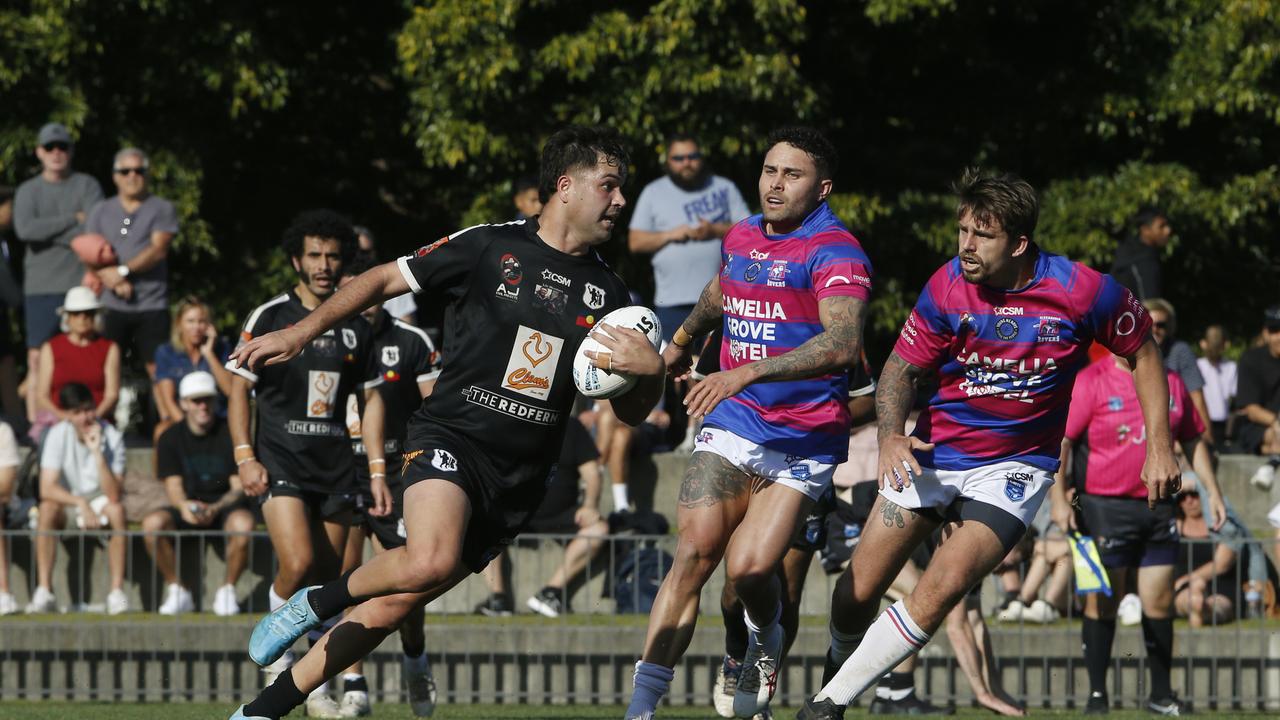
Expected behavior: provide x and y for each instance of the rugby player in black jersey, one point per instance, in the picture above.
(522, 297)
(300, 464)
(408, 364)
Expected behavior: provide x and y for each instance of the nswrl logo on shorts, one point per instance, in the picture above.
(1015, 485)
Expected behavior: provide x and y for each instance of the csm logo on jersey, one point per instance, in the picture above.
(531, 369)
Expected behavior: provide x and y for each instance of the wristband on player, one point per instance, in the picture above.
(377, 475)
(377, 460)
(242, 461)
(243, 447)
(681, 338)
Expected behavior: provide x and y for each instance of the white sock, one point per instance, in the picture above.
(274, 601)
(889, 640)
(322, 690)
(763, 629)
(347, 677)
(651, 681)
(842, 645)
(620, 500)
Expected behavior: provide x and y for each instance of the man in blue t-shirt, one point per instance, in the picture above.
(680, 219)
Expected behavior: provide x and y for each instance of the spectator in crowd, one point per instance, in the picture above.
(1137, 262)
(1050, 561)
(1258, 397)
(524, 195)
(81, 480)
(78, 355)
(10, 298)
(140, 227)
(48, 211)
(8, 473)
(1212, 562)
(193, 346)
(1136, 541)
(402, 307)
(562, 513)
(1178, 357)
(195, 461)
(680, 219)
(1219, 375)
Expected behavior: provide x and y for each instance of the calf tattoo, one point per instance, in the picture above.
(710, 480)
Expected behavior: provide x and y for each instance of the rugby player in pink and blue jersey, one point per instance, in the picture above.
(791, 296)
(1006, 327)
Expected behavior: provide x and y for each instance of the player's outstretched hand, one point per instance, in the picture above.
(1161, 475)
(629, 351)
(253, 476)
(678, 359)
(898, 464)
(715, 387)
(270, 349)
(381, 497)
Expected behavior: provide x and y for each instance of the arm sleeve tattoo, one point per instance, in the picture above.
(708, 312)
(895, 394)
(835, 348)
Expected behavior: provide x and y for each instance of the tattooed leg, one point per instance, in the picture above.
(713, 500)
(890, 535)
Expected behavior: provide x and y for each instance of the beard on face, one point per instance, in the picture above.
(690, 181)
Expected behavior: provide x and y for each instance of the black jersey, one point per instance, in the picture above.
(861, 382)
(302, 434)
(518, 310)
(404, 357)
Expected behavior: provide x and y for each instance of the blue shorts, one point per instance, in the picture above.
(42, 319)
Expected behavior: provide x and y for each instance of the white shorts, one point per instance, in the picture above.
(1016, 488)
(800, 473)
(1273, 517)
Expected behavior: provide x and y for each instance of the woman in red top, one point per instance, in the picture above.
(81, 355)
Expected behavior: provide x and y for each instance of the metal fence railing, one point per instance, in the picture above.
(583, 657)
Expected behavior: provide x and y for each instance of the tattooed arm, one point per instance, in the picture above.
(895, 394)
(704, 318)
(835, 348)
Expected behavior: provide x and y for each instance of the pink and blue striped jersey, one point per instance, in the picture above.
(771, 287)
(1007, 359)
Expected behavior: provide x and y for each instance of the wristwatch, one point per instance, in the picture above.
(123, 270)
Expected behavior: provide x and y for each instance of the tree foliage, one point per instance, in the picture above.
(415, 118)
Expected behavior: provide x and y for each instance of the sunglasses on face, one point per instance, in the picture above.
(126, 171)
(50, 147)
(688, 156)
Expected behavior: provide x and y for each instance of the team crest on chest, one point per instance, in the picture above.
(349, 338)
(593, 297)
(390, 355)
(777, 274)
(1006, 328)
(752, 272)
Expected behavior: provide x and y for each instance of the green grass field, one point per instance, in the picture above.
(184, 711)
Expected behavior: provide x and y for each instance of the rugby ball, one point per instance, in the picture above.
(602, 384)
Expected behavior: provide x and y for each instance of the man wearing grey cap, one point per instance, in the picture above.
(48, 211)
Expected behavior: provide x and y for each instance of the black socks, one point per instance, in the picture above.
(1158, 636)
(331, 598)
(278, 699)
(735, 632)
(1098, 637)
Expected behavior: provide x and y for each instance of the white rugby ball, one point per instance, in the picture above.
(602, 384)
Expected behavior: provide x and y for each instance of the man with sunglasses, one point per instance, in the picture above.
(680, 219)
(139, 226)
(48, 211)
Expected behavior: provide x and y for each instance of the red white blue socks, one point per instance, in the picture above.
(889, 640)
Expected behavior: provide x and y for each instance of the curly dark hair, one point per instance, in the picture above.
(1006, 198)
(812, 142)
(578, 146)
(321, 223)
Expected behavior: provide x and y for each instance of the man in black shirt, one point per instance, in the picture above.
(1137, 262)
(300, 463)
(1258, 397)
(522, 297)
(408, 364)
(195, 461)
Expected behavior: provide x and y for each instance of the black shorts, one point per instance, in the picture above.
(811, 533)
(1128, 534)
(218, 520)
(504, 494)
(139, 333)
(324, 505)
(389, 529)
